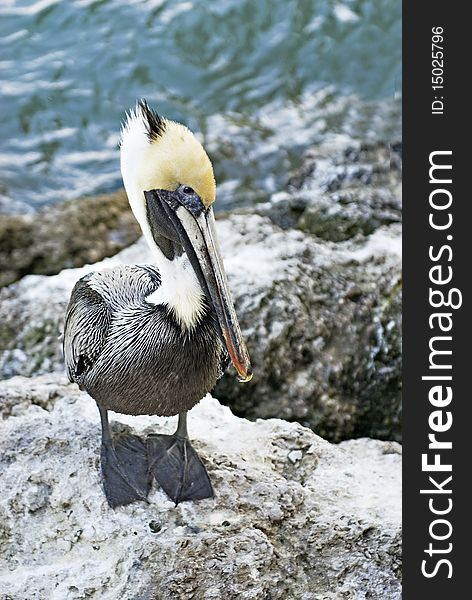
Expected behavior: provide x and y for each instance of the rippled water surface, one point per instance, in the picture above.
(260, 81)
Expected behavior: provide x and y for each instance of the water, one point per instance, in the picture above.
(260, 81)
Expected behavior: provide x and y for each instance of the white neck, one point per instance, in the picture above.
(180, 289)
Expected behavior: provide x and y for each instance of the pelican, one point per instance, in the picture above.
(154, 339)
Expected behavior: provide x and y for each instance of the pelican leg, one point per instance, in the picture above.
(177, 467)
(124, 466)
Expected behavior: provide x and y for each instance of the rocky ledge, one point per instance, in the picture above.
(293, 517)
(322, 323)
(70, 234)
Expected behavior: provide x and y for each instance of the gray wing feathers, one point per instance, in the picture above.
(95, 300)
(86, 327)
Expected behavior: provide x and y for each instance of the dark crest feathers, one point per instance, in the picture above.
(155, 126)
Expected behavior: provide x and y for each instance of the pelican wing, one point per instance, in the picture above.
(86, 327)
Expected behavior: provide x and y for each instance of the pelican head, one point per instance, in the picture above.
(171, 188)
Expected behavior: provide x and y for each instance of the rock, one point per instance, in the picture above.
(325, 335)
(67, 235)
(322, 322)
(343, 189)
(324, 526)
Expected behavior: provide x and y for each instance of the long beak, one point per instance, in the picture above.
(198, 237)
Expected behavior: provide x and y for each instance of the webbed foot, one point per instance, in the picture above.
(125, 470)
(177, 468)
(123, 460)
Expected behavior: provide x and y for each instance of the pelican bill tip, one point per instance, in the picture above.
(247, 377)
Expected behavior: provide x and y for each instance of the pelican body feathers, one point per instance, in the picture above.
(133, 356)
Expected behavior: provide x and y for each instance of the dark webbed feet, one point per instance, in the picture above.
(125, 470)
(128, 465)
(124, 466)
(177, 467)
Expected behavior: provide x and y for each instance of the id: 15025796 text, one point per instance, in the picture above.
(437, 70)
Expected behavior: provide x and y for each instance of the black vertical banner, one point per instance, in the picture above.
(437, 324)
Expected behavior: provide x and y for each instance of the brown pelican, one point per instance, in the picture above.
(154, 339)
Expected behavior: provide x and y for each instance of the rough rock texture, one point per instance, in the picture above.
(293, 516)
(343, 189)
(63, 236)
(316, 278)
(324, 331)
(328, 329)
(322, 322)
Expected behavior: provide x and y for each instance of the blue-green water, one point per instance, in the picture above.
(260, 80)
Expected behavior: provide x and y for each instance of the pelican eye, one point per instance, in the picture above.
(189, 198)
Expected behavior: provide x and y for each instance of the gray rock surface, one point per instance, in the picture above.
(343, 189)
(293, 516)
(322, 322)
(66, 235)
(327, 328)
